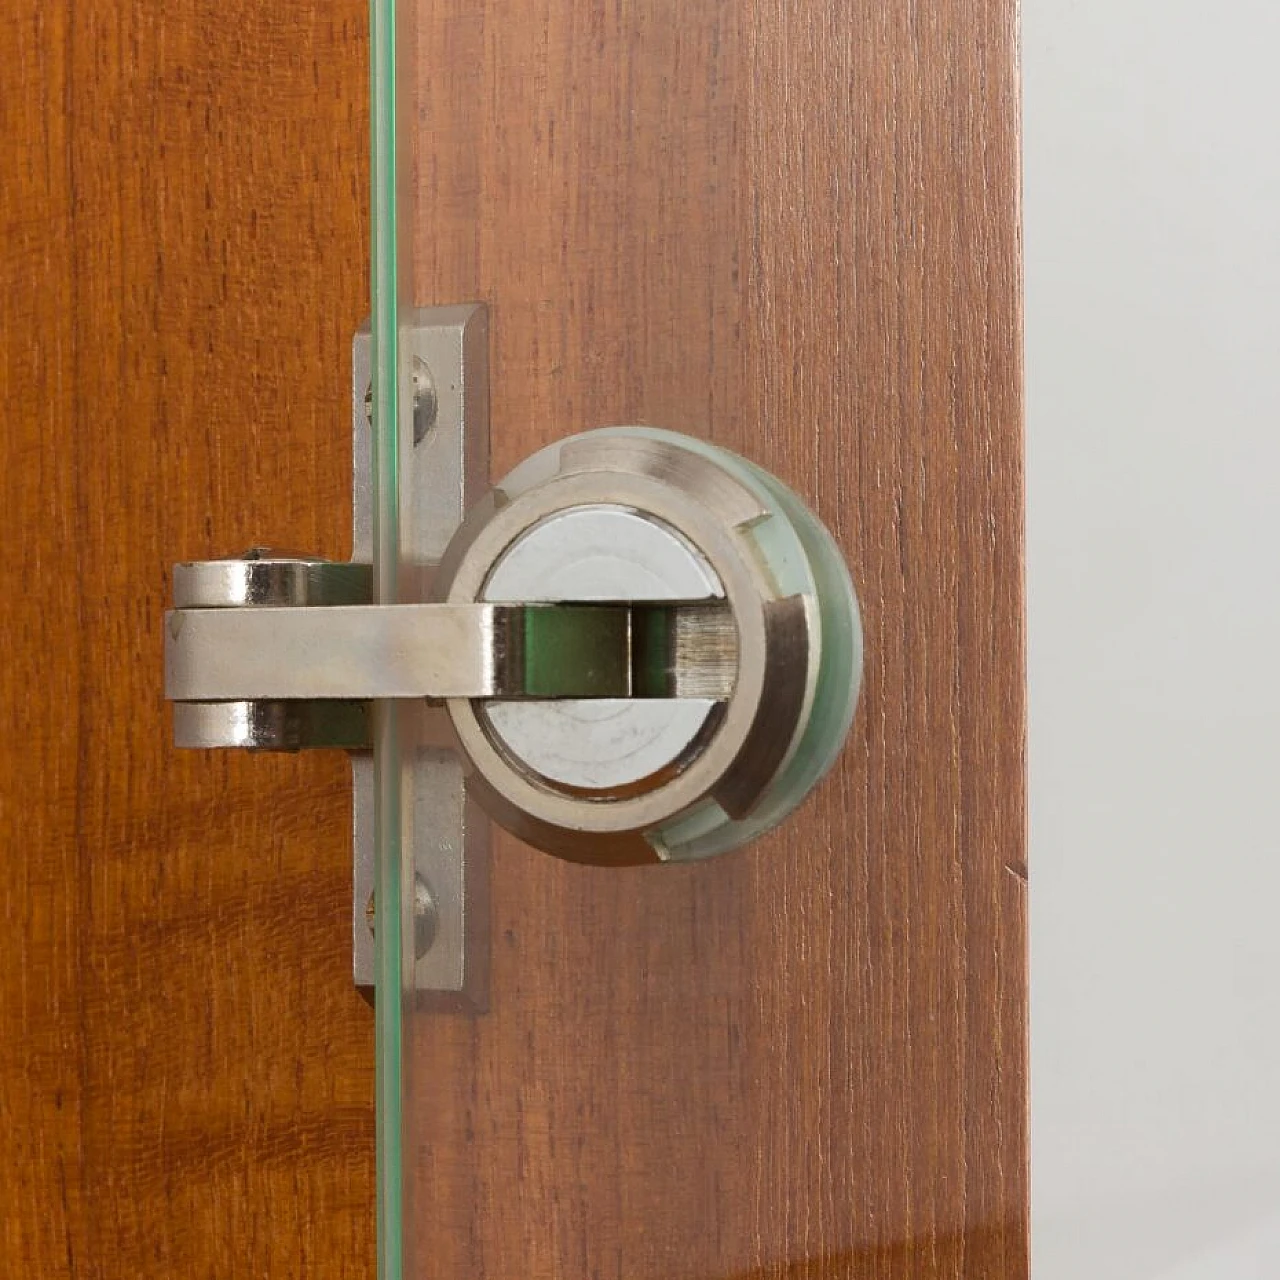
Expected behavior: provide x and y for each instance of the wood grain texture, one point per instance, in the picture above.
(793, 229)
(186, 1075)
(788, 227)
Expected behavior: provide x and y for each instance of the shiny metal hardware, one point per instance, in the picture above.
(229, 610)
(634, 513)
(635, 648)
(471, 651)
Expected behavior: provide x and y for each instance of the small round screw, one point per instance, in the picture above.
(426, 403)
(425, 917)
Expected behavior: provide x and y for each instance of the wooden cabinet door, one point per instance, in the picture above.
(186, 1073)
(790, 227)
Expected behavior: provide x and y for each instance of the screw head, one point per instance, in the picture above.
(426, 918)
(426, 402)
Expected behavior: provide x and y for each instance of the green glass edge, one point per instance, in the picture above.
(388, 965)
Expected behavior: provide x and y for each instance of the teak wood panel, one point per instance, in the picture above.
(186, 1074)
(789, 227)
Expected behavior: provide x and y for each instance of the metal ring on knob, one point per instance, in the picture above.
(774, 562)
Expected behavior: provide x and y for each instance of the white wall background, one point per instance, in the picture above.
(1152, 165)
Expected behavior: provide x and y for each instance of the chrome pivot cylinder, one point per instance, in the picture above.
(260, 579)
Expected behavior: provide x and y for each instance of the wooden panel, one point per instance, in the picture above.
(791, 228)
(186, 1074)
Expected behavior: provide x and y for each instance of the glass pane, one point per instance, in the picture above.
(790, 230)
(391, 964)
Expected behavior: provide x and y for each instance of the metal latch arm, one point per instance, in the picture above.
(361, 652)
